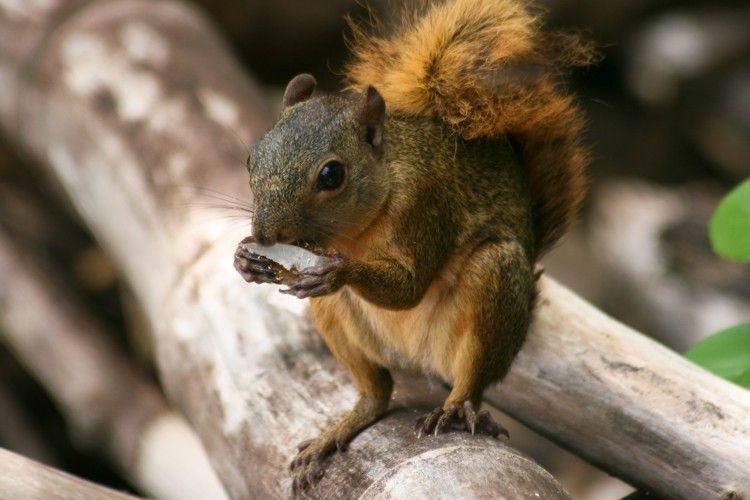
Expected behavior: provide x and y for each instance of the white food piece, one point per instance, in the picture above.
(289, 256)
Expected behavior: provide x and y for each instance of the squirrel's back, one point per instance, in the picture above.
(487, 69)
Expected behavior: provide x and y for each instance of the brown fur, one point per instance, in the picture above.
(487, 69)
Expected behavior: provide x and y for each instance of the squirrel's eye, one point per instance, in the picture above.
(331, 176)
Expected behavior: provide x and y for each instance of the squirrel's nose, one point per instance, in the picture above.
(262, 236)
(272, 237)
(263, 240)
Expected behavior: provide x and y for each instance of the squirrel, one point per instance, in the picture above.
(451, 162)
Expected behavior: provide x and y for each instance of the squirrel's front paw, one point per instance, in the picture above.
(319, 280)
(254, 268)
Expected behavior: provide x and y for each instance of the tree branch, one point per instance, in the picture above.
(627, 403)
(108, 404)
(23, 478)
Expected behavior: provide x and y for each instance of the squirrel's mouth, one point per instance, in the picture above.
(310, 246)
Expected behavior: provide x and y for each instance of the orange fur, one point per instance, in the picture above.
(486, 68)
(422, 339)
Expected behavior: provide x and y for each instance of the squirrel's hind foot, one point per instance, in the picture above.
(442, 420)
(309, 466)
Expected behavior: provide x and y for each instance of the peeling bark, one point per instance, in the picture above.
(134, 134)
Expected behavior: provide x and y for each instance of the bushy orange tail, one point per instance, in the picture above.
(486, 68)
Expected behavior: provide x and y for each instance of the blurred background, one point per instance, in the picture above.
(669, 121)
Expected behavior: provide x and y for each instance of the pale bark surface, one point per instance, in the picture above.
(110, 407)
(24, 478)
(133, 105)
(628, 403)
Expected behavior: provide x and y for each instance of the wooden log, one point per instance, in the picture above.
(627, 403)
(21, 477)
(110, 406)
(137, 103)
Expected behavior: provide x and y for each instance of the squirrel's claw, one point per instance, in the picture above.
(321, 270)
(304, 445)
(426, 424)
(446, 420)
(482, 422)
(318, 280)
(306, 476)
(309, 464)
(441, 420)
(253, 270)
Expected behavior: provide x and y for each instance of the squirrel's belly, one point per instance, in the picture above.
(424, 338)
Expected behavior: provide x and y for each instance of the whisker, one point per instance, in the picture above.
(230, 220)
(239, 138)
(227, 196)
(212, 193)
(227, 208)
(226, 199)
(215, 204)
(233, 217)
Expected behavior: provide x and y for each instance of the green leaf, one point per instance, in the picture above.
(726, 353)
(730, 225)
(744, 379)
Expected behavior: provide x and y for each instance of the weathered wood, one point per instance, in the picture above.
(627, 403)
(23, 478)
(132, 104)
(109, 405)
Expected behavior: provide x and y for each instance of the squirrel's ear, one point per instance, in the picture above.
(299, 89)
(372, 115)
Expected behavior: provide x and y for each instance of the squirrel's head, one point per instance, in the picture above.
(318, 172)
